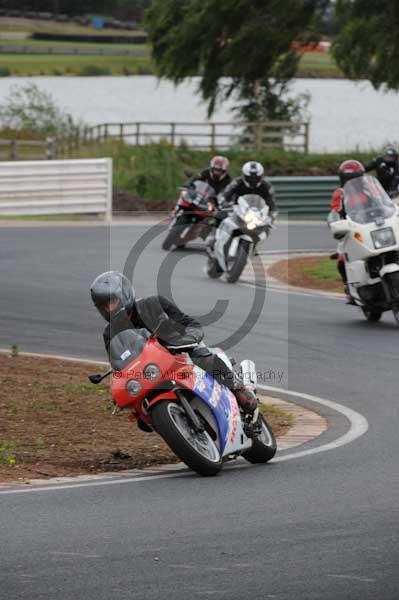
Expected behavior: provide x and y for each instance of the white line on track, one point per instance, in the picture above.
(358, 423)
(358, 427)
(292, 291)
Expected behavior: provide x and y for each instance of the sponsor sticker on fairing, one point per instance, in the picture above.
(234, 420)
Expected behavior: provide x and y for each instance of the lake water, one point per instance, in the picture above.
(344, 115)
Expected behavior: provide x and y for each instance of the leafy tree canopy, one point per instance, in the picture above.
(367, 46)
(248, 41)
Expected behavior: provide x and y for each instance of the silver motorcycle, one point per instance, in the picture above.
(247, 224)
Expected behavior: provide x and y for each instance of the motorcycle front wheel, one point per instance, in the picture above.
(264, 446)
(212, 268)
(236, 268)
(197, 450)
(395, 311)
(372, 315)
(172, 238)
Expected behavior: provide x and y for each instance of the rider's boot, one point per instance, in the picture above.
(247, 401)
(210, 243)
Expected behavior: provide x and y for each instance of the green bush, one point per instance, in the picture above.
(94, 71)
(27, 108)
(144, 70)
(4, 71)
(155, 171)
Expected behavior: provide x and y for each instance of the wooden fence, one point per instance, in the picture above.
(223, 136)
(16, 149)
(206, 136)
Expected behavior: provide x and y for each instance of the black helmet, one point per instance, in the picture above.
(112, 293)
(390, 154)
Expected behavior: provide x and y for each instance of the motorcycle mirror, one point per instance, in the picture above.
(339, 229)
(98, 377)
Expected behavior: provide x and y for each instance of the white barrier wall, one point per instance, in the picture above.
(56, 187)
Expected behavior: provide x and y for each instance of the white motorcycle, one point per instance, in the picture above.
(369, 241)
(248, 223)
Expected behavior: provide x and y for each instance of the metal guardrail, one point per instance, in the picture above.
(306, 197)
(56, 187)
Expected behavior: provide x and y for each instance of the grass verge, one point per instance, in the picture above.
(314, 272)
(53, 422)
(48, 64)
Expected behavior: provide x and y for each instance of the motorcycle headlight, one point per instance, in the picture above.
(250, 216)
(133, 387)
(382, 238)
(152, 372)
(253, 219)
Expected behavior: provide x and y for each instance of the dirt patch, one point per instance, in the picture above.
(298, 272)
(124, 201)
(53, 422)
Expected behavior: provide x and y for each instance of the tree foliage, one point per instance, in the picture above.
(367, 46)
(247, 41)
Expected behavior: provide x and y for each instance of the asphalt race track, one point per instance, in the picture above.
(319, 527)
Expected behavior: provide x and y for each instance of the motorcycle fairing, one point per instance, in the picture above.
(223, 405)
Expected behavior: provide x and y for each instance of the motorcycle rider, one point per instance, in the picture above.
(349, 169)
(387, 169)
(115, 299)
(216, 175)
(251, 181)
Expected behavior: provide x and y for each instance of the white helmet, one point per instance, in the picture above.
(252, 174)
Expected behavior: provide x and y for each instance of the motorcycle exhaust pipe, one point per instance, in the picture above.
(248, 373)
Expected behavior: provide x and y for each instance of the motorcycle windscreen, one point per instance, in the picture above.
(366, 201)
(252, 201)
(126, 346)
(201, 193)
(203, 188)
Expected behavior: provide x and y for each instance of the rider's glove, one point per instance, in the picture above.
(274, 215)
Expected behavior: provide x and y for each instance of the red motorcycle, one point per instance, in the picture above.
(198, 418)
(191, 216)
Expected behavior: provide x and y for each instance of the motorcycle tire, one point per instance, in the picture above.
(212, 268)
(197, 450)
(233, 274)
(172, 238)
(264, 447)
(372, 315)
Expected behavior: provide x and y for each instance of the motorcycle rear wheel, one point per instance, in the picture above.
(234, 272)
(197, 450)
(264, 447)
